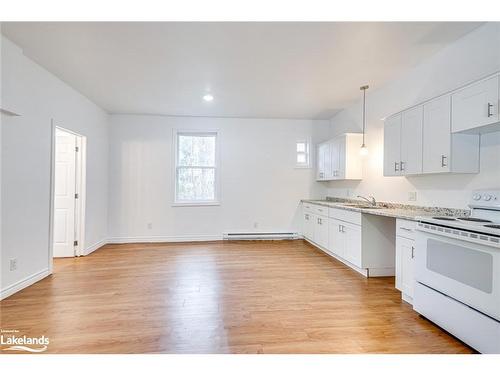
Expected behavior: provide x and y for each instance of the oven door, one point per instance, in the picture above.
(465, 271)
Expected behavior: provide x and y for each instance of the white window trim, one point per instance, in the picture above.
(308, 154)
(175, 137)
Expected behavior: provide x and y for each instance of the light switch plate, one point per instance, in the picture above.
(412, 196)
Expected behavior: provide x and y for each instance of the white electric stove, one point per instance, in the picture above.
(457, 272)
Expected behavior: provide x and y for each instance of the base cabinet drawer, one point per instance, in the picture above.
(406, 228)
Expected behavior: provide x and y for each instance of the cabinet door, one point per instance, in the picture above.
(437, 135)
(335, 238)
(475, 105)
(324, 162)
(405, 280)
(352, 247)
(321, 231)
(308, 226)
(392, 145)
(339, 157)
(335, 158)
(411, 141)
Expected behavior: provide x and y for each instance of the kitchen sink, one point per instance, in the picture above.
(357, 205)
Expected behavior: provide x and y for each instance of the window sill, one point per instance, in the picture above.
(195, 204)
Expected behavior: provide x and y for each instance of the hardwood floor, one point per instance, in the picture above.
(219, 297)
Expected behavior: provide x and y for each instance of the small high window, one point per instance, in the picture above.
(303, 154)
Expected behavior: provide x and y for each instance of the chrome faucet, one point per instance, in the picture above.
(372, 200)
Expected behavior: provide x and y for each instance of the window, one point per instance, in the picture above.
(196, 174)
(303, 159)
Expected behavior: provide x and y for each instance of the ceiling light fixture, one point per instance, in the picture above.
(208, 97)
(364, 151)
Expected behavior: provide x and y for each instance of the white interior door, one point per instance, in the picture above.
(64, 194)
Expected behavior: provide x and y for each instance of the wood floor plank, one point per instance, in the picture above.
(219, 297)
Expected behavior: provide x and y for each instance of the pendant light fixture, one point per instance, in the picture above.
(364, 151)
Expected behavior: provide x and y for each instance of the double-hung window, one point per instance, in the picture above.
(196, 168)
(303, 159)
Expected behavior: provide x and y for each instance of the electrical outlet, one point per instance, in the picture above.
(150, 225)
(412, 196)
(13, 264)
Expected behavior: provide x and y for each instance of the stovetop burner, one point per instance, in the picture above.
(474, 219)
(448, 218)
(494, 226)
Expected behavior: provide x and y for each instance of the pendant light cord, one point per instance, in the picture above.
(364, 110)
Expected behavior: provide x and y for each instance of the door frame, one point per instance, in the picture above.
(81, 188)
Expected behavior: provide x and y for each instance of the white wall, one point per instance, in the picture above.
(472, 57)
(26, 162)
(259, 182)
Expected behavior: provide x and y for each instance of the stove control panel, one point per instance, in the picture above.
(485, 199)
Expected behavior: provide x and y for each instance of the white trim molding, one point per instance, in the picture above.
(95, 247)
(24, 283)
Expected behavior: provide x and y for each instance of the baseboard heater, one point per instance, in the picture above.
(261, 236)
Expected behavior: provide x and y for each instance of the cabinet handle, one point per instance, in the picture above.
(412, 252)
(402, 163)
(444, 161)
(490, 113)
(407, 229)
(396, 166)
(340, 230)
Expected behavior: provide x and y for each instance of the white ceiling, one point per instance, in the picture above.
(272, 70)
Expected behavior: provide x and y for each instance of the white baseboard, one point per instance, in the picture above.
(21, 284)
(95, 246)
(141, 239)
(381, 272)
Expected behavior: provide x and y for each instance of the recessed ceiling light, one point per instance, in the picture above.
(208, 97)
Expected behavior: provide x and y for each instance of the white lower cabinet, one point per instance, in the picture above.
(335, 237)
(308, 225)
(352, 243)
(364, 242)
(315, 224)
(321, 231)
(405, 258)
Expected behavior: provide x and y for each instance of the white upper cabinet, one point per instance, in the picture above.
(475, 106)
(437, 135)
(411, 141)
(392, 146)
(443, 151)
(324, 162)
(339, 158)
(442, 134)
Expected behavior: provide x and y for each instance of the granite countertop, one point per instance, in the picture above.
(395, 210)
